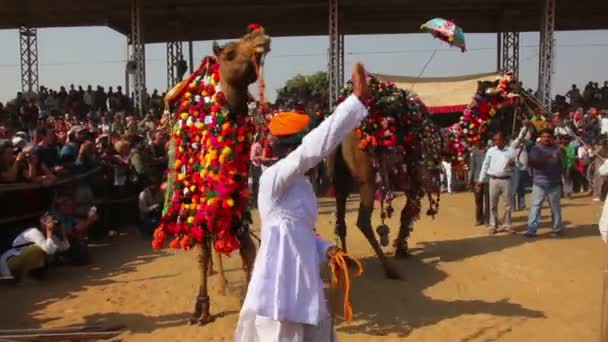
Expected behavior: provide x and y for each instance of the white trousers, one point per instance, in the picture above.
(446, 175)
(254, 328)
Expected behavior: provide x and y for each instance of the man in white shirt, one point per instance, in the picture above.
(604, 123)
(30, 249)
(498, 169)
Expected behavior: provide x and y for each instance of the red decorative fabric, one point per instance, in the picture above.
(446, 109)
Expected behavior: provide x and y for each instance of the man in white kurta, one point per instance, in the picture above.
(603, 224)
(285, 300)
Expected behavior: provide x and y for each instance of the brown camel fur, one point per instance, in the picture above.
(238, 67)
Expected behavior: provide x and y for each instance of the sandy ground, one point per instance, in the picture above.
(462, 285)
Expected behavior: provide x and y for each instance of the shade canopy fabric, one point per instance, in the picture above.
(442, 95)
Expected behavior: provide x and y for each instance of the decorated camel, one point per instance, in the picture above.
(208, 195)
(398, 148)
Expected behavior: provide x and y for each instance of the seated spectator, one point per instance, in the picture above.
(76, 230)
(69, 151)
(150, 206)
(139, 159)
(16, 165)
(78, 153)
(120, 163)
(47, 153)
(118, 126)
(29, 251)
(104, 126)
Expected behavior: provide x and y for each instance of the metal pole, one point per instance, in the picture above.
(510, 53)
(174, 54)
(191, 56)
(138, 56)
(341, 65)
(498, 51)
(546, 53)
(127, 84)
(28, 48)
(334, 45)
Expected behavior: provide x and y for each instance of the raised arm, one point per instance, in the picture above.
(316, 145)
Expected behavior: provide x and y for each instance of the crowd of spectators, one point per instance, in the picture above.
(591, 96)
(56, 136)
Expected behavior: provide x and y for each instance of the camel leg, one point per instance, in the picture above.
(201, 313)
(247, 252)
(364, 223)
(406, 221)
(340, 229)
(223, 281)
(211, 272)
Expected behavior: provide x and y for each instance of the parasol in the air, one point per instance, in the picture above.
(445, 30)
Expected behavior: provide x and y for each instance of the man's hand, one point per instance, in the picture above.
(92, 219)
(478, 186)
(331, 251)
(21, 156)
(361, 90)
(48, 225)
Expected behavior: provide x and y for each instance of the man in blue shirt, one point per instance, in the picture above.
(545, 163)
(497, 169)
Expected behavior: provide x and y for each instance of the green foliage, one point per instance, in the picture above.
(312, 91)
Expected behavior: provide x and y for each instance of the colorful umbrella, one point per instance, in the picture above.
(445, 30)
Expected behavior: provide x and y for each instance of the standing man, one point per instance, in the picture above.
(482, 196)
(521, 166)
(545, 163)
(497, 169)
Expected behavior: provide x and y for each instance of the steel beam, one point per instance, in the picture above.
(191, 56)
(510, 53)
(498, 51)
(28, 48)
(545, 69)
(138, 56)
(174, 56)
(341, 65)
(334, 52)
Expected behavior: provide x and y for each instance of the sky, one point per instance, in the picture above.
(97, 56)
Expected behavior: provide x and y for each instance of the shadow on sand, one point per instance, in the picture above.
(120, 256)
(400, 307)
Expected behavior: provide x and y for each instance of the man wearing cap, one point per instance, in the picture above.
(285, 299)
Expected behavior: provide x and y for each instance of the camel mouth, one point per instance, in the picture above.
(263, 48)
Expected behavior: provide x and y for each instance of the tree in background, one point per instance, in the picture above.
(310, 91)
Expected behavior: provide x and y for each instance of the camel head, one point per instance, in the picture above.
(239, 60)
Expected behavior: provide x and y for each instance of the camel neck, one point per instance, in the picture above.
(236, 98)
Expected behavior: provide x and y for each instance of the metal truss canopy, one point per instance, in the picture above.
(336, 52)
(138, 57)
(279, 17)
(545, 70)
(28, 46)
(510, 53)
(174, 57)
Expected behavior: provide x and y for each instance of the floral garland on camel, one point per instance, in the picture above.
(210, 169)
(405, 145)
(475, 119)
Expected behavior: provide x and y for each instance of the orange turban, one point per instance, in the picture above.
(593, 111)
(288, 123)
